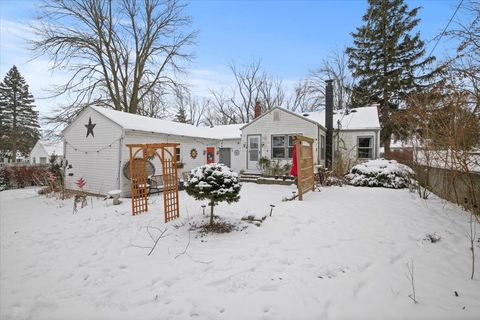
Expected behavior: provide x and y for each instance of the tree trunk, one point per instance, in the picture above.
(212, 222)
(386, 146)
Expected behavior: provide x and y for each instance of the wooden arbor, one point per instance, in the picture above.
(139, 155)
(305, 174)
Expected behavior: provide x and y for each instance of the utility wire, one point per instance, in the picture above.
(445, 29)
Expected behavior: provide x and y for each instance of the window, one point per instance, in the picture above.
(43, 160)
(290, 146)
(282, 146)
(177, 154)
(322, 147)
(34, 160)
(365, 147)
(278, 147)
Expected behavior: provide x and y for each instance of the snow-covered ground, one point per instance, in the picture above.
(342, 253)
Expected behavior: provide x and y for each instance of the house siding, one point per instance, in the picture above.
(99, 169)
(287, 124)
(345, 142)
(37, 152)
(237, 157)
(186, 145)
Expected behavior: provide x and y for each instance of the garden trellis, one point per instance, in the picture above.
(139, 156)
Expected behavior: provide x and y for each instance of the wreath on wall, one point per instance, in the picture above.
(193, 153)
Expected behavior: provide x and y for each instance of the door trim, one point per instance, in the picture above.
(259, 145)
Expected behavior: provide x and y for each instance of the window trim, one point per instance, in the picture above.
(286, 145)
(364, 148)
(178, 154)
(322, 147)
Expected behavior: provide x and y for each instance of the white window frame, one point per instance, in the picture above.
(372, 147)
(322, 147)
(178, 154)
(286, 146)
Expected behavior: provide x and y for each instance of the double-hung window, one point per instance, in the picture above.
(282, 146)
(365, 147)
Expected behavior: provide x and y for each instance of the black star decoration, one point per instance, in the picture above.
(90, 127)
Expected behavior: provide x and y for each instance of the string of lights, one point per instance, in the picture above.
(107, 146)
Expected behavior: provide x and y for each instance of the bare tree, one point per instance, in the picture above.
(466, 63)
(251, 84)
(189, 107)
(118, 52)
(334, 67)
(247, 89)
(271, 92)
(155, 105)
(306, 97)
(221, 110)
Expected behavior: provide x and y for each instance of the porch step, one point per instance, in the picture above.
(249, 177)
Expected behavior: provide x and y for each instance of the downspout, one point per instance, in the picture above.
(120, 144)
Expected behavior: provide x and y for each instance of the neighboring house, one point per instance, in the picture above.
(95, 142)
(43, 150)
(6, 158)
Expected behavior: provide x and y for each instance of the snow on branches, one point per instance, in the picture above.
(380, 173)
(214, 182)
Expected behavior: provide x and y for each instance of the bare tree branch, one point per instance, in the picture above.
(124, 54)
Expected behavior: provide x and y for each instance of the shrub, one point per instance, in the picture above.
(380, 173)
(4, 179)
(23, 176)
(214, 182)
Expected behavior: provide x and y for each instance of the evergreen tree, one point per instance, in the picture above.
(388, 59)
(18, 119)
(181, 115)
(214, 182)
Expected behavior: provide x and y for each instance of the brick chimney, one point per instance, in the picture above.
(258, 109)
(329, 124)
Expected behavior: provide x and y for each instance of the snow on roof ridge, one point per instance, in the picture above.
(362, 118)
(138, 122)
(52, 147)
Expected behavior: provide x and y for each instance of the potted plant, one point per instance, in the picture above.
(264, 164)
(286, 170)
(276, 168)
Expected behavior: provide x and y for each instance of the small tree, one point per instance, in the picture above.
(214, 182)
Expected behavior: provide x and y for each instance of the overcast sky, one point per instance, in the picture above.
(290, 37)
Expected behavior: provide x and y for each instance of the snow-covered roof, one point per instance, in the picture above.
(129, 121)
(52, 148)
(355, 119)
(231, 131)
(400, 144)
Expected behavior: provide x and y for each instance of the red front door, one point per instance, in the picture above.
(210, 155)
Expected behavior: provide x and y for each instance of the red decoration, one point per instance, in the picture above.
(210, 155)
(81, 183)
(52, 177)
(293, 170)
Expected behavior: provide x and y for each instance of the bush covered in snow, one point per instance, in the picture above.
(380, 173)
(214, 182)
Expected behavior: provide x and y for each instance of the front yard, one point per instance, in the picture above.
(341, 253)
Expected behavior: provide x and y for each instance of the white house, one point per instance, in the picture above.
(95, 142)
(43, 150)
(95, 146)
(356, 135)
